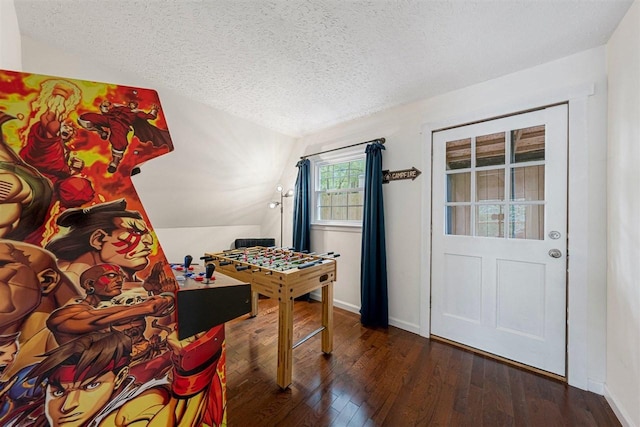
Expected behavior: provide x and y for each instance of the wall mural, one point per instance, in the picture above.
(87, 322)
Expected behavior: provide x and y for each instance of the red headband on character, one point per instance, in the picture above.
(69, 373)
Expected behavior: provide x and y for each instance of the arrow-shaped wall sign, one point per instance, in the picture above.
(411, 174)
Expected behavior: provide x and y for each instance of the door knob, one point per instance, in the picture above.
(555, 253)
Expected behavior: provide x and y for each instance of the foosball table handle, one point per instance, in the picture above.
(242, 267)
(309, 264)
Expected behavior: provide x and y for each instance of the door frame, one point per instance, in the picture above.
(577, 245)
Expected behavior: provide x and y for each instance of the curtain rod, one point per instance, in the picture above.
(380, 140)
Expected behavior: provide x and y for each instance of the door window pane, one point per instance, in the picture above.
(458, 220)
(526, 222)
(490, 220)
(496, 196)
(490, 149)
(459, 187)
(527, 183)
(490, 185)
(527, 144)
(459, 154)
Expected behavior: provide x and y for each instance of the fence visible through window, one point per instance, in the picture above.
(340, 190)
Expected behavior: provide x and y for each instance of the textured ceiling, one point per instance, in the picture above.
(302, 65)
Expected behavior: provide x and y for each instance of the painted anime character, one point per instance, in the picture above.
(47, 142)
(31, 287)
(25, 195)
(9, 347)
(8, 351)
(106, 233)
(116, 121)
(104, 308)
(87, 382)
(16, 391)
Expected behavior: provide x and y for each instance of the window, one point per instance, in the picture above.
(339, 190)
(495, 185)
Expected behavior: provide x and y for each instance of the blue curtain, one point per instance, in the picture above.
(301, 212)
(374, 309)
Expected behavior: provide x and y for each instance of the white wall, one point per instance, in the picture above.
(215, 186)
(178, 242)
(623, 201)
(10, 54)
(271, 223)
(407, 209)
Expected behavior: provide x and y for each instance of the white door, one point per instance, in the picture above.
(499, 237)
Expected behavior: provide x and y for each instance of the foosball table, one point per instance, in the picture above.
(283, 274)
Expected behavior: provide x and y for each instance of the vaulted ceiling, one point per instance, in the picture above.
(302, 65)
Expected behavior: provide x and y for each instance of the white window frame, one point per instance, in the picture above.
(327, 159)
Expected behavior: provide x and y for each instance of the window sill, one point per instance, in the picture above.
(346, 228)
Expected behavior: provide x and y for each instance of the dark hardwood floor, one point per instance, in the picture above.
(387, 377)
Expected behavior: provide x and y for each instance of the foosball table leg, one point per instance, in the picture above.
(327, 318)
(254, 303)
(285, 342)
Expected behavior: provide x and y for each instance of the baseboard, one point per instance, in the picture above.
(595, 387)
(317, 296)
(622, 415)
(346, 306)
(401, 324)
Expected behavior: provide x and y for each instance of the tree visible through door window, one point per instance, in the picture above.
(495, 185)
